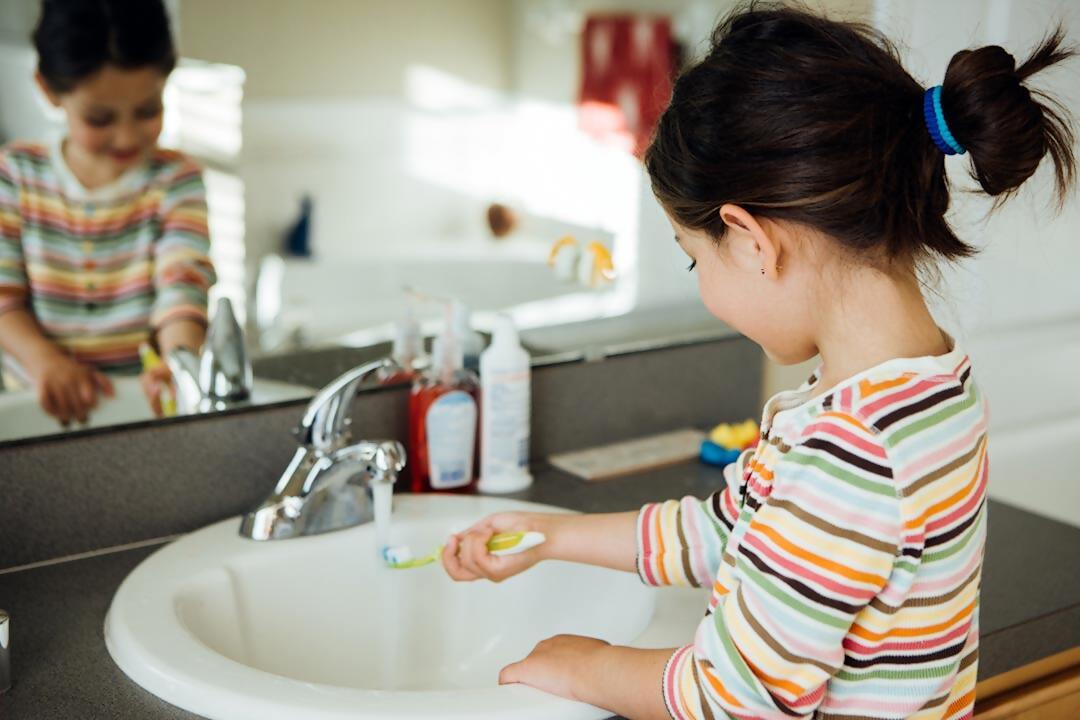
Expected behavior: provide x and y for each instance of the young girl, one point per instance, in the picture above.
(803, 172)
(103, 237)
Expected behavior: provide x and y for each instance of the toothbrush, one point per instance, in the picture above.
(400, 557)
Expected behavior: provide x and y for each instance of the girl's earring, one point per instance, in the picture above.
(762, 271)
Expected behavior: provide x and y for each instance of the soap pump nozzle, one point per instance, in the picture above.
(407, 339)
(448, 351)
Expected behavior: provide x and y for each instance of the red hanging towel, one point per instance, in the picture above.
(627, 67)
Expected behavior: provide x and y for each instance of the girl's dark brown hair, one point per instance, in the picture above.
(796, 117)
(75, 39)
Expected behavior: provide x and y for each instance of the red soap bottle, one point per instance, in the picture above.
(443, 419)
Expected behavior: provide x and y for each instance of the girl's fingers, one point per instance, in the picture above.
(48, 402)
(495, 567)
(481, 526)
(509, 674)
(87, 393)
(64, 405)
(76, 405)
(472, 545)
(154, 396)
(103, 383)
(452, 562)
(152, 390)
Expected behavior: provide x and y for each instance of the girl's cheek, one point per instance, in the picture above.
(92, 140)
(151, 130)
(714, 296)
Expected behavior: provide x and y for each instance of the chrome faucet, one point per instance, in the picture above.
(221, 376)
(329, 483)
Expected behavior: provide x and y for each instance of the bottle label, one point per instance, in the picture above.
(505, 449)
(451, 439)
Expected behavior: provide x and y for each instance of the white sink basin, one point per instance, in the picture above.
(21, 416)
(315, 628)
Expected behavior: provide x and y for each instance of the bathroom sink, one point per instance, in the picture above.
(315, 628)
(21, 416)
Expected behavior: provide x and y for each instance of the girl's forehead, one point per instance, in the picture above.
(113, 87)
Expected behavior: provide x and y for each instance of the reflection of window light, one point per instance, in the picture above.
(203, 119)
(202, 110)
(429, 88)
(225, 200)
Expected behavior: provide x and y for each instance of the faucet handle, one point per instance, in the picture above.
(389, 456)
(325, 422)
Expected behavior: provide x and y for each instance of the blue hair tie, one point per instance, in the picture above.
(935, 123)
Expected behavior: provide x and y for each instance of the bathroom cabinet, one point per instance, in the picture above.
(1048, 689)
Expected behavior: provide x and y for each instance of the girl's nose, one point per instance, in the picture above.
(126, 137)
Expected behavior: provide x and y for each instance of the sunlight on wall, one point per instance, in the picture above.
(530, 155)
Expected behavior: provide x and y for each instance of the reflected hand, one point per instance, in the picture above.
(153, 382)
(68, 390)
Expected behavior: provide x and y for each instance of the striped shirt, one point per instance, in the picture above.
(102, 269)
(844, 555)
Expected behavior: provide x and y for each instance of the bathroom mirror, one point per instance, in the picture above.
(367, 161)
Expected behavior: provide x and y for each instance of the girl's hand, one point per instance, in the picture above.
(68, 390)
(153, 382)
(466, 556)
(556, 665)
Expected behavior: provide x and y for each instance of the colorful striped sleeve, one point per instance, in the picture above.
(13, 284)
(819, 547)
(680, 542)
(183, 272)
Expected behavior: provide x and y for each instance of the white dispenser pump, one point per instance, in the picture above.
(407, 340)
(468, 339)
(447, 352)
(505, 386)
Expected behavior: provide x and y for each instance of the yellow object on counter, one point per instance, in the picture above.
(735, 436)
(151, 361)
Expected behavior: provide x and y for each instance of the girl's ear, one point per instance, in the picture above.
(757, 244)
(52, 97)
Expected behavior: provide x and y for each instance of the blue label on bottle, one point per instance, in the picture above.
(451, 437)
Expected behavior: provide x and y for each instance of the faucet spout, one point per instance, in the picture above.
(184, 367)
(328, 484)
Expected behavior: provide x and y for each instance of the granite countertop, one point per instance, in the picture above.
(62, 670)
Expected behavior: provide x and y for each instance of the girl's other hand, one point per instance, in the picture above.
(153, 381)
(68, 390)
(557, 665)
(466, 556)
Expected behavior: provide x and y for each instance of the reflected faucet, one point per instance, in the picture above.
(221, 376)
(329, 483)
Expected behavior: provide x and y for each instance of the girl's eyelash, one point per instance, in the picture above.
(692, 266)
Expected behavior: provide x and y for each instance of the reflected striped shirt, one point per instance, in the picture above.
(844, 555)
(101, 269)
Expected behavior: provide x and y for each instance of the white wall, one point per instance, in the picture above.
(348, 48)
(1015, 307)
